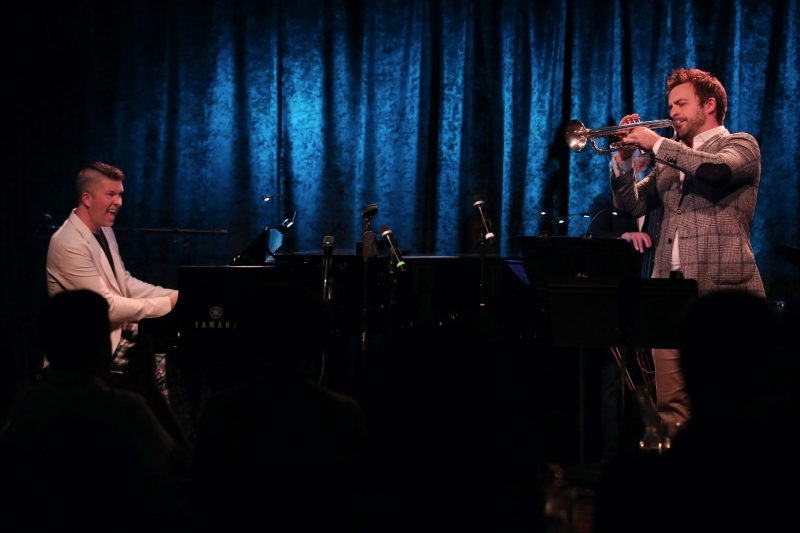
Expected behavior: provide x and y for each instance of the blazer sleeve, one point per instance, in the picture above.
(736, 160)
(70, 266)
(141, 289)
(135, 288)
(637, 199)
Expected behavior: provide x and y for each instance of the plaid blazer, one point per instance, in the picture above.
(712, 211)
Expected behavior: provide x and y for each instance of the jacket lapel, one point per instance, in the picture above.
(119, 268)
(98, 256)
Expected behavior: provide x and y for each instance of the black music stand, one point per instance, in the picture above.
(593, 297)
(600, 312)
(547, 257)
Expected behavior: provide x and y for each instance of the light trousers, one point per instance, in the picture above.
(672, 400)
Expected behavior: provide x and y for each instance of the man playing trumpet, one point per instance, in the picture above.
(707, 182)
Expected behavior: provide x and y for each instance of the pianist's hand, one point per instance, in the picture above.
(639, 240)
(173, 299)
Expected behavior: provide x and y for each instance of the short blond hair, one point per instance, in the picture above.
(90, 175)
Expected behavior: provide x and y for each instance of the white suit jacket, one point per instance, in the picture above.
(75, 260)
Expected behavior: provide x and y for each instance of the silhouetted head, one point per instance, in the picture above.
(286, 325)
(731, 344)
(74, 331)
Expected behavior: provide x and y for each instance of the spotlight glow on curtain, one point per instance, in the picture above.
(413, 105)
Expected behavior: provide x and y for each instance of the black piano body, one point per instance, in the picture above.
(435, 292)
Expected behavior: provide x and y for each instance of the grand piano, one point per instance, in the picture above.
(434, 292)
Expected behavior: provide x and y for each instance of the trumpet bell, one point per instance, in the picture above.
(576, 135)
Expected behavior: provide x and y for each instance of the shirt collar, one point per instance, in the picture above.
(701, 138)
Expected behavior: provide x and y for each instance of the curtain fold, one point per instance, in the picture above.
(413, 105)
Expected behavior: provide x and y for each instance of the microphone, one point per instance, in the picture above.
(479, 204)
(370, 211)
(47, 220)
(327, 255)
(367, 213)
(368, 244)
(388, 236)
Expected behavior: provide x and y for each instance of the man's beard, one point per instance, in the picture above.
(693, 125)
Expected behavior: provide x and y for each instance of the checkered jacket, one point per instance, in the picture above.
(712, 212)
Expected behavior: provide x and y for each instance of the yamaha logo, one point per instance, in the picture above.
(215, 322)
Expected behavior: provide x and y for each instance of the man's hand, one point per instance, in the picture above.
(626, 153)
(173, 299)
(639, 240)
(644, 138)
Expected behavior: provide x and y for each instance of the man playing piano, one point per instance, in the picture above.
(83, 254)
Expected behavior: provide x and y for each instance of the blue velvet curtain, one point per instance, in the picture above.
(413, 105)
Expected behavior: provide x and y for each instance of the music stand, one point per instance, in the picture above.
(594, 297)
(570, 257)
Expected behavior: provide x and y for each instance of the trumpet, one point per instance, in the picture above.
(577, 134)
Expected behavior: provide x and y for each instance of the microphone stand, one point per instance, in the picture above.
(394, 264)
(368, 251)
(327, 258)
(486, 238)
(482, 281)
(392, 299)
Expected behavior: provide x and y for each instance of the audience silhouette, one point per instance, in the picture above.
(280, 450)
(77, 453)
(732, 468)
(8, 375)
(140, 377)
